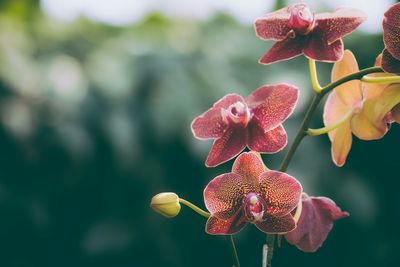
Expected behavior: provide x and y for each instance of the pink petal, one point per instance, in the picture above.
(350, 92)
(277, 225)
(223, 195)
(227, 147)
(315, 223)
(274, 25)
(272, 104)
(318, 48)
(281, 192)
(391, 30)
(285, 49)
(216, 226)
(389, 63)
(338, 24)
(208, 125)
(271, 141)
(249, 166)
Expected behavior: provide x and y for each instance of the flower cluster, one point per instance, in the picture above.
(273, 200)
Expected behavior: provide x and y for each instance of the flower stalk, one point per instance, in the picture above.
(385, 79)
(194, 208)
(313, 75)
(327, 129)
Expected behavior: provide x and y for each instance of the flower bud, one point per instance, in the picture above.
(167, 204)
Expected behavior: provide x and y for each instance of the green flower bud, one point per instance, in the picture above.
(167, 204)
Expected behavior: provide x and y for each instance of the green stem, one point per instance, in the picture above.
(384, 79)
(194, 208)
(270, 248)
(327, 129)
(234, 251)
(313, 75)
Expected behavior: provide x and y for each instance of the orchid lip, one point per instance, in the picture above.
(237, 113)
(254, 207)
(301, 20)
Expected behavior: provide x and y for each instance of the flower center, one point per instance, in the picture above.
(254, 207)
(237, 113)
(301, 19)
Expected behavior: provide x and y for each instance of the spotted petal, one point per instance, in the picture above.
(277, 225)
(315, 223)
(249, 166)
(281, 192)
(274, 25)
(270, 141)
(272, 104)
(318, 48)
(209, 125)
(391, 30)
(216, 226)
(227, 147)
(390, 63)
(339, 23)
(223, 195)
(285, 49)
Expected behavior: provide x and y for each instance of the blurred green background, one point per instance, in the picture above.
(95, 120)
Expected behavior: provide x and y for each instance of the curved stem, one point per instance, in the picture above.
(194, 208)
(234, 251)
(354, 76)
(384, 79)
(327, 129)
(314, 77)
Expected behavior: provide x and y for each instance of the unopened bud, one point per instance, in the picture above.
(167, 204)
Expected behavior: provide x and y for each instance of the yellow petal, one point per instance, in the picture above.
(349, 92)
(365, 126)
(387, 101)
(334, 111)
(341, 144)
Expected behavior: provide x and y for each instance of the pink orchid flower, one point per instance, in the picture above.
(255, 122)
(391, 38)
(298, 31)
(316, 221)
(251, 193)
(354, 107)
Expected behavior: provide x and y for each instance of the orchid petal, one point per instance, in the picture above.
(339, 23)
(285, 49)
(274, 25)
(319, 49)
(390, 63)
(209, 125)
(227, 147)
(387, 101)
(315, 223)
(334, 111)
(364, 124)
(272, 104)
(223, 195)
(349, 92)
(249, 166)
(391, 30)
(341, 144)
(277, 225)
(281, 192)
(271, 141)
(216, 226)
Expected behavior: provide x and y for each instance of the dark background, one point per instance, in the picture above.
(94, 121)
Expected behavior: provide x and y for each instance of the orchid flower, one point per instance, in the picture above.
(251, 193)
(255, 122)
(298, 31)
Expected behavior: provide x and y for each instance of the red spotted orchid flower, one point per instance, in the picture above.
(391, 38)
(351, 107)
(255, 122)
(298, 31)
(316, 221)
(251, 193)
